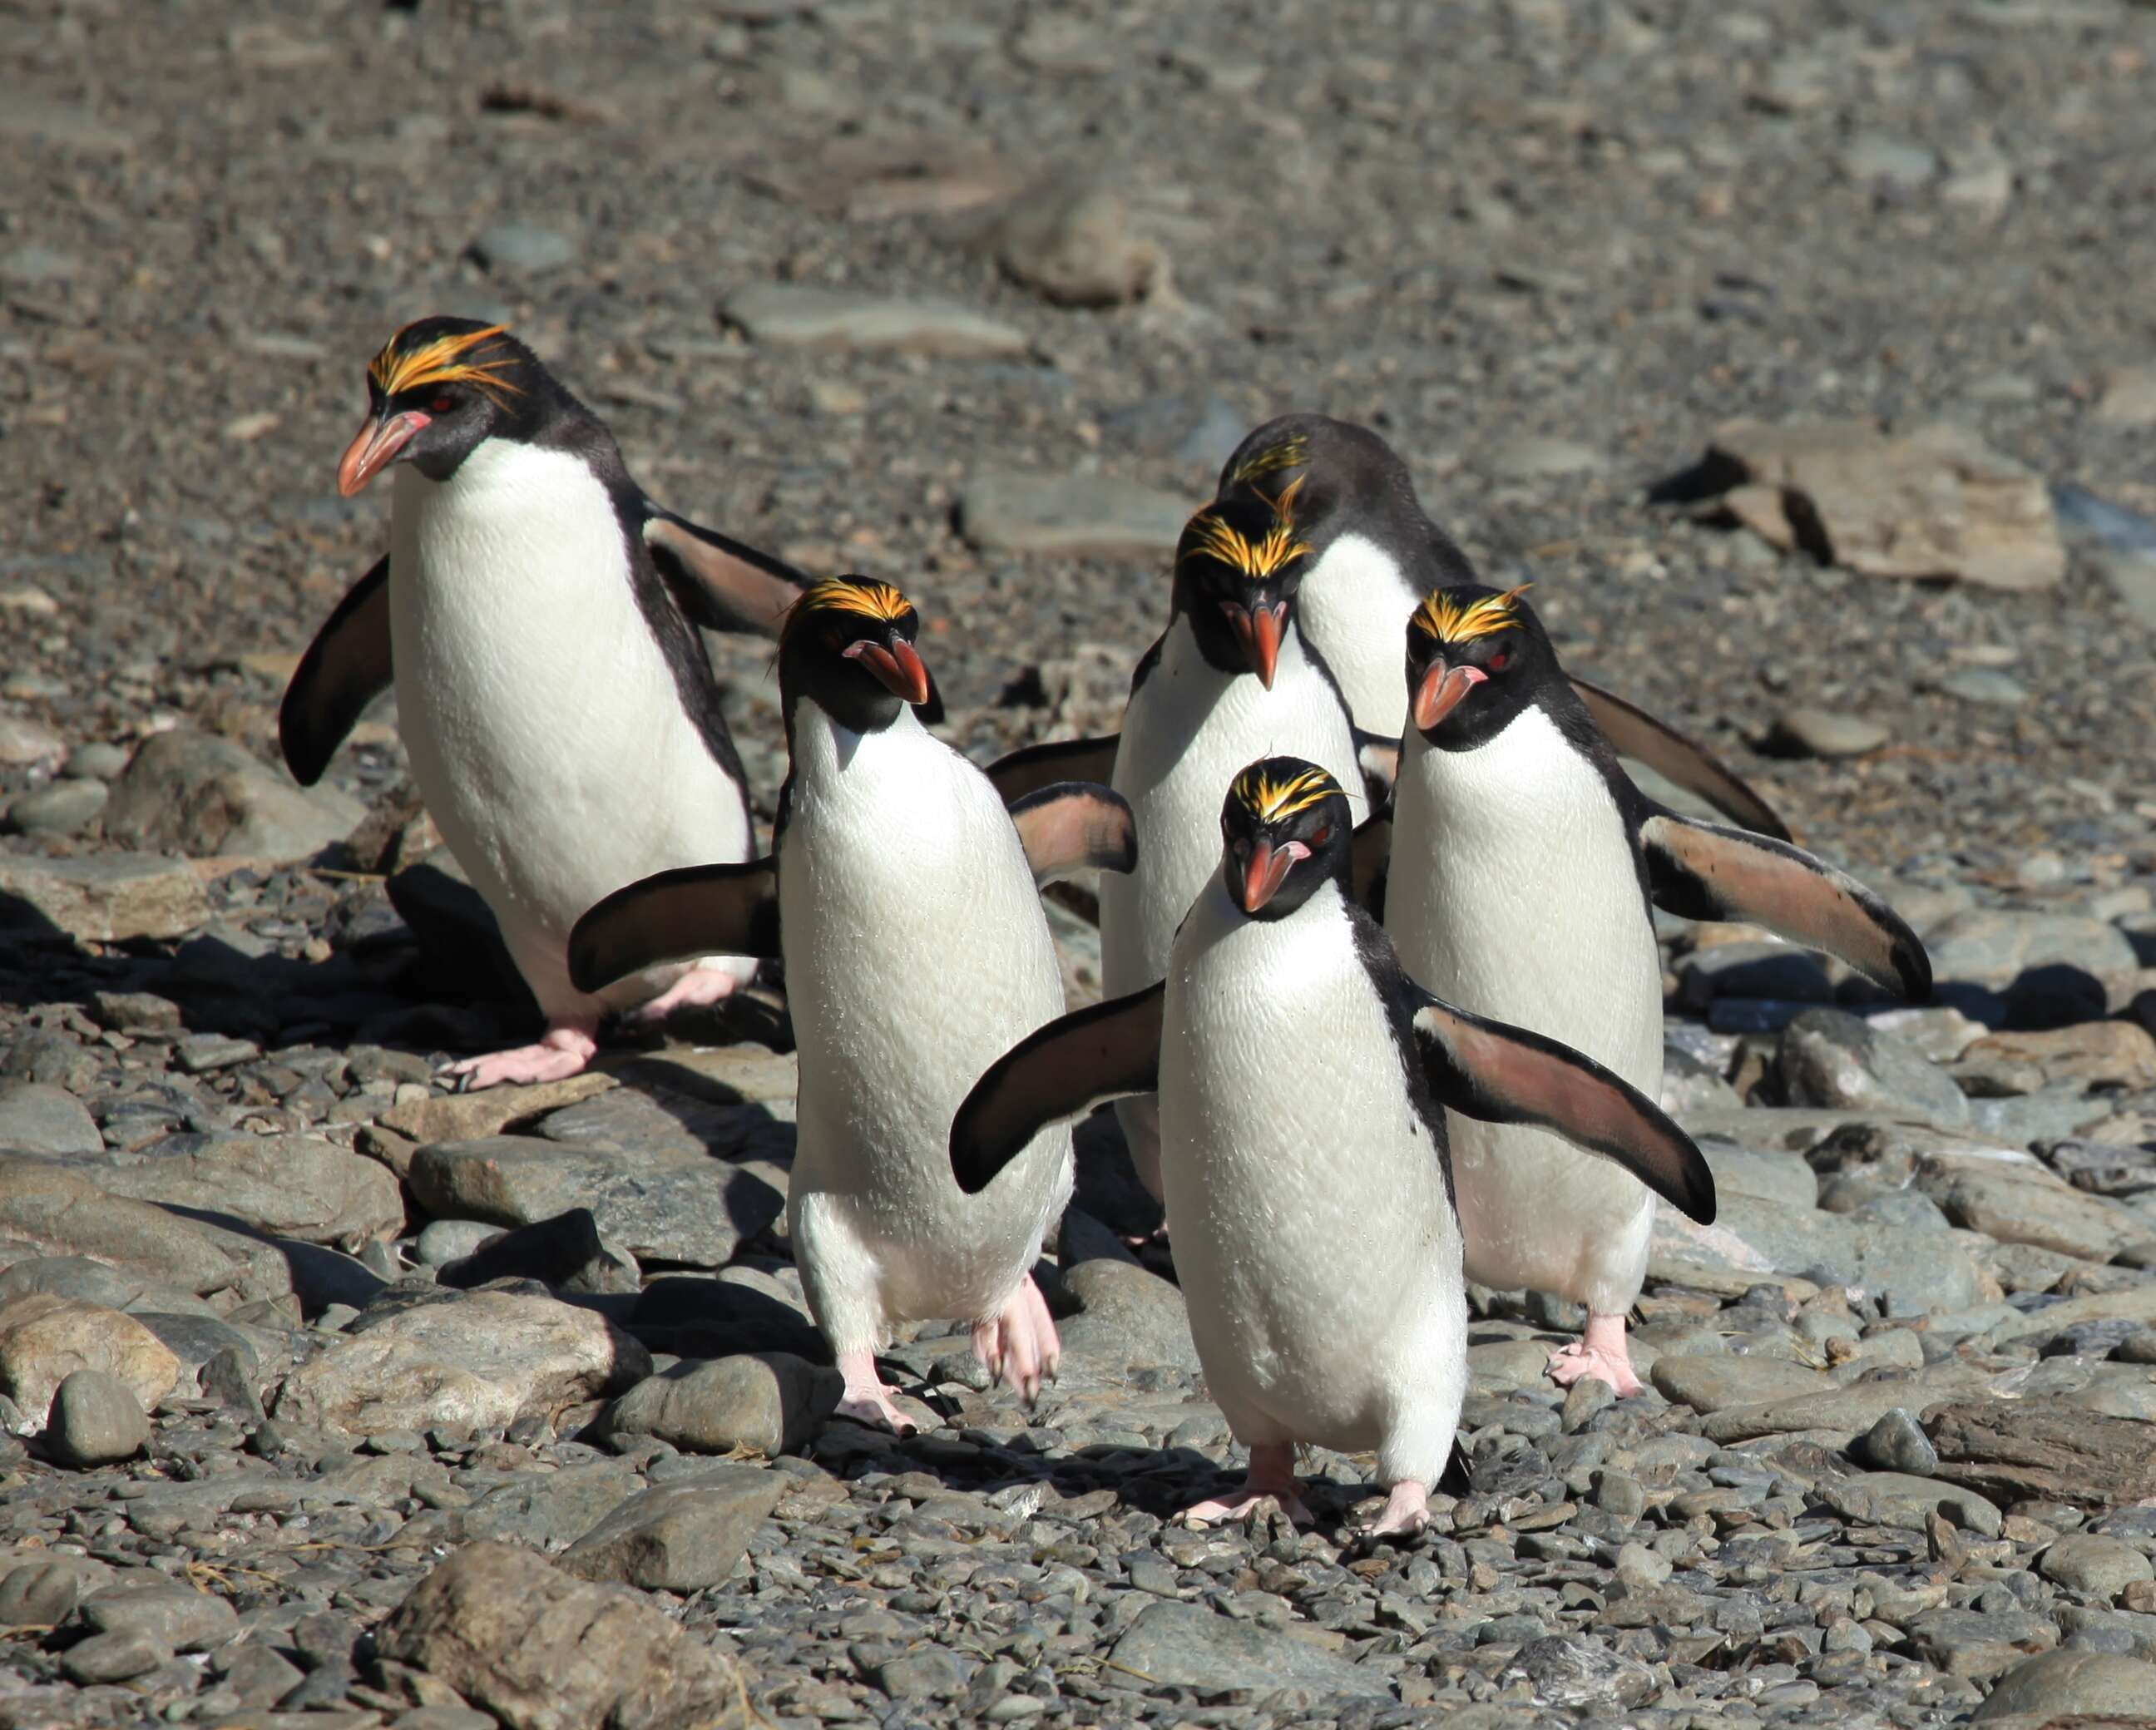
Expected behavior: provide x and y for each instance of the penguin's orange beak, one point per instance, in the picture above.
(1265, 871)
(897, 667)
(1258, 628)
(1442, 689)
(375, 446)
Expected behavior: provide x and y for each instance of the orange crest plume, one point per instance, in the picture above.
(397, 370)
(1259, 557)
(1442, 617)
(1288, 453)
(878, 601)
(1269, 800)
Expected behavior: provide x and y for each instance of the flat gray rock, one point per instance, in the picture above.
(293, 1186)
(682, 1536)
(770, 1402)
(1709, 1383)
(1829, 1057)
(1187, 1645)
(788, 317)
(36, 1118)
(103, 897)
(1070, 516)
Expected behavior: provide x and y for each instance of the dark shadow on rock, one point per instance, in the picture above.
(693, 1318)
(1108, 1182)
(319, 1276)
(2055, 994)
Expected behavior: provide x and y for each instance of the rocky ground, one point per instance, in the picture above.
(332, 1400)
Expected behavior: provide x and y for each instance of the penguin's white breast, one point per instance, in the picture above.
(1191, 730)
(1354, 605)
(545, 728)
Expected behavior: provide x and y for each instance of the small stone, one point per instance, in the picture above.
(837, 320)
(1827, 732)
(177, 1617)
(95, 1421)
(681, 1537)
(1896, 1444)
(447, 1240)
(1895, 162)
(111, 1658)
(1536, 459)
(1187, 1645)
(1985, 685)
(38, 1118)
(97, 761)
(769, 1401)
(1075, 247)
(565, 1252)
(1070, 516)
(33, 266)
(65, 807)
(102, 898)
(1828, 1057)
(2102, 1567)
(1640, 1567)
(2129, 398)
(522, 247)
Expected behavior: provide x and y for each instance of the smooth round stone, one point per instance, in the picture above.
(116, 1657)
(65, 807)
(447, 1240)
(1896, 1444)
(2063, 1682)
(2102, 1567)
(95, 1421)
(1827, 732)
(98, 762)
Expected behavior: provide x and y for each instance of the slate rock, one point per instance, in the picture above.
(95, 1421)
(681, 1536)
(1186, 1645)
(2021, 1202)
(203, 796)
(35, 1119)
(475, 1361)
(1762, 969)
(44, 1340)
(741, 1309)
(2102, 1567)
(1916, 1270)
(549, 1510)
(2110, 1688)
(1896, 1444)
(1828, 1057)
(769, 1401)
(789, 315)
(654, 1123)
(295, 1186)
(65, 807)
(1893, 1498)
(542, 1650)
(2016, 1450)
(466, 1116)
(1970, 1643)
(1076, 515)
(1708, 1382)
(524, 248)
(696, 1214)
(117, 1657)
(44, 1594)
(102, 898)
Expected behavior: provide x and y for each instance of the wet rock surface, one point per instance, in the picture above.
(331, 1397)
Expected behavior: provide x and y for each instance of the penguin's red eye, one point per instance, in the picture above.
(441, 405)
(1322, 836)
(1501, 660)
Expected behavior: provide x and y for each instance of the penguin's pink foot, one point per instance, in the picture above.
(1144, 1240)
(1601, 1354)
(568, 1047)
(867, 1399)
(1406, 1511)
(699, 988)
(1271, 1474)
(1017, 1346)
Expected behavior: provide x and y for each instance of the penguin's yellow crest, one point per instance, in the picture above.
(1288, 453)
(443, 361)
(1443, 616)
(1269, 800)
(878, 601)
(1260, 556)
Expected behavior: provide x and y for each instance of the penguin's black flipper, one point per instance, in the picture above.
(345, 669)
(1370, 853)
(721, 583)
(1033, 766)
(1702, 870)
(1075, 826)
(1500, 1074)
(675, 916)
(1636, 734)
(1056, 1072)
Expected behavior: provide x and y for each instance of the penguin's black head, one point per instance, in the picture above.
(1475, 658)
(848, 645)
(1236, 571)
(438, 389)
(1284, 830)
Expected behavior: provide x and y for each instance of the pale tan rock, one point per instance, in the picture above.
(44, 1339)
(465, 1116)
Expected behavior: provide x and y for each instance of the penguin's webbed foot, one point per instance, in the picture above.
(867, 1399)
(1600, 1353)
(564, 1051)
(1018, 1346)
(1405, 1513)
(699, 988)
(1271, 1476)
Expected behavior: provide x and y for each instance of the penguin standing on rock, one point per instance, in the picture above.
(1525, 868)
(903, 895)
(536, 614)
(1231, 678)
(1304, 1081)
